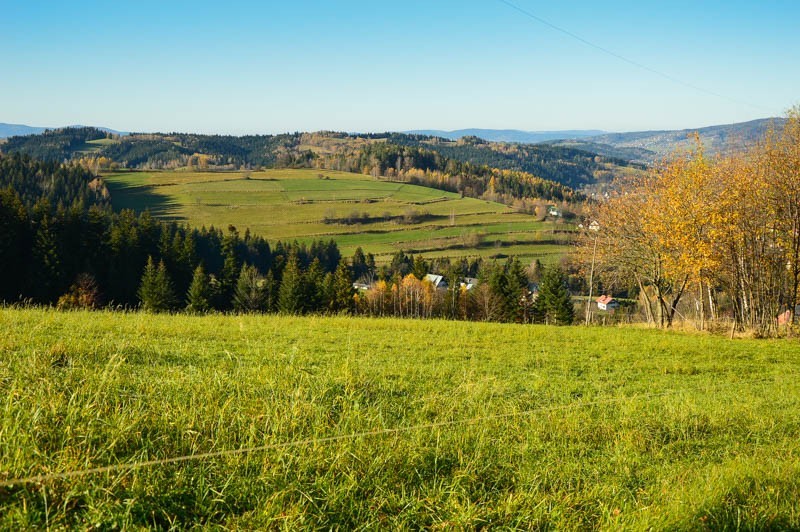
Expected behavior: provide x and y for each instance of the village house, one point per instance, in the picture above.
(438, 281)
(607, 303)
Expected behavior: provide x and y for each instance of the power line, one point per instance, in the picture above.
(35, 479)
(630, 61)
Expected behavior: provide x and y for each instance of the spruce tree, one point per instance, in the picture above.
(342, 298)
(315, 287)
(198, 298)
(230, 267)
(249, 294)
(359, 263)
(554, 302)
(270, 292)
(155, 291)
(47, 268)
(516, 296)
(291, 292)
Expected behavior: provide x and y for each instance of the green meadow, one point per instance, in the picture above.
(294, 205)
(499, 425)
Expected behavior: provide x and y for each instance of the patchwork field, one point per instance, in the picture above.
(366, 423)
(380, 216)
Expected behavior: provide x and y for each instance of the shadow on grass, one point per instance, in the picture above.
(140, 198)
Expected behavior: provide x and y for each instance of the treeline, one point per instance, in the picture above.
(47, 253)
(55, 184)
(506, 292)
(502, 292)
(722, 232)
(567, 166)
(432, 169)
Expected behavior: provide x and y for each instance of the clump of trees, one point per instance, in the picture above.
(723, 232)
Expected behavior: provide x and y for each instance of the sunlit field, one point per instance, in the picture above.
(378, 423)
(294, 204)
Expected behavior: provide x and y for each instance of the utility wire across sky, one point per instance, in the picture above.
(637, 64)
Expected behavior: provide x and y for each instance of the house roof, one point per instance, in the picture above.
(435, 280)
(469, 282)
(605, 300)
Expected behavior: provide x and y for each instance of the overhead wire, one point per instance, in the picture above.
(628, 60)
(129, 466)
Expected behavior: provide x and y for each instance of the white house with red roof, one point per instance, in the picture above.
(607, 303)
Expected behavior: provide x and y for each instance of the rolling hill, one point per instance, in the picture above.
(355, 210)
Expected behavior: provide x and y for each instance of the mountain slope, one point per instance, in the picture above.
(11, 130)
(649, 146)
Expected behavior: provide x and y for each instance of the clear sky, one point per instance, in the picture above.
(373, 65)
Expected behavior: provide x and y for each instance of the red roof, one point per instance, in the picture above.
(605, 300)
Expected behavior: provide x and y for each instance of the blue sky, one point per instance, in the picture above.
(267, 67)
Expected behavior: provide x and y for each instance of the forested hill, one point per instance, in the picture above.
(467, 165)
(51, 184)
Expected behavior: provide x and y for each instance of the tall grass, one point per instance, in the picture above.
(719, 448)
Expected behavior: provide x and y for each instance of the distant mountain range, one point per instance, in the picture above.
(509, 135)
(638, 146)
(647, 146)
(13, 130)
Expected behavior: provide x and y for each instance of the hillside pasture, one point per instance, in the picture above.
(391, 424)
(355, 210)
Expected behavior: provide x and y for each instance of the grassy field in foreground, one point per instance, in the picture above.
(624, 428)
(292, 204)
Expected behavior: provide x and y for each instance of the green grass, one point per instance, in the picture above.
(627, 428)
(292, 204)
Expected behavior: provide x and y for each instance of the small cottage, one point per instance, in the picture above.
(607, 303)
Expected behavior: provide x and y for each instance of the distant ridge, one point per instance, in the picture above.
(509, 135)
(649, 146)
(636, 146)
(13, 130)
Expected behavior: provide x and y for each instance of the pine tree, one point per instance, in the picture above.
(198, 297)
(342, 298)
(155, 290)
(249, 294)
(420, 267)
(554, 302)
(292, 290)
(315, 287)
(270, 292)
(230, 267)
(359, 263)
(516, 298)
(47, 267)
(14, 243)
